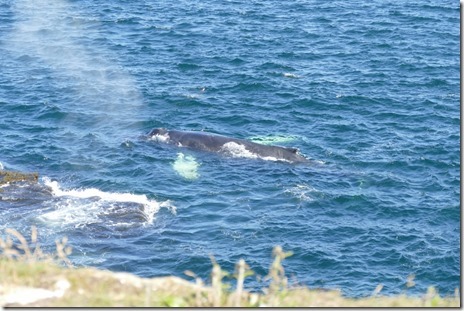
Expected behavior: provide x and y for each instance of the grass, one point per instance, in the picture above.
(31, 278)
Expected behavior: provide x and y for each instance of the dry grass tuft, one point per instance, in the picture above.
(31, 252)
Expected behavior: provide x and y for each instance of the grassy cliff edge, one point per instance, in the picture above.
(30, 278)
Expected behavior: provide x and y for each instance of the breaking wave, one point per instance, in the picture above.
(81, 207)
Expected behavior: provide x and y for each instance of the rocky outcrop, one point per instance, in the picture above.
(7, 177)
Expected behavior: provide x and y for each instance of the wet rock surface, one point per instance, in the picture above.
(7, 177)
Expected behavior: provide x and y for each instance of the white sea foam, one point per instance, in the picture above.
(237, 150)
(186, 166)
(303, 193)
(163, 138)
(290, 75)
(88, 205)
(240, 151)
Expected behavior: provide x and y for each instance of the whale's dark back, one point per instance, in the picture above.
(217, 143)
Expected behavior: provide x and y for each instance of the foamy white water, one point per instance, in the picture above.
(88, 205)
(302, 192)
(239, 151)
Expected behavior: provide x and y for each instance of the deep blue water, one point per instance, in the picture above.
(367, 90)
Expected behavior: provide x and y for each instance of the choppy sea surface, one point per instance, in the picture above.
(367, 90)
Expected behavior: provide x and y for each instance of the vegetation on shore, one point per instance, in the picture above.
(32, 278)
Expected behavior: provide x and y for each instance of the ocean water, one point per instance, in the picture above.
(367, 90)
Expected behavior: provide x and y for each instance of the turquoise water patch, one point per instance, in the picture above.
(186, 166)
(274, 139)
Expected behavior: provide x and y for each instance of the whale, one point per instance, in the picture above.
(216, 143)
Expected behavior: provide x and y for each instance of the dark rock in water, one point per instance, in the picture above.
(11, 177)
